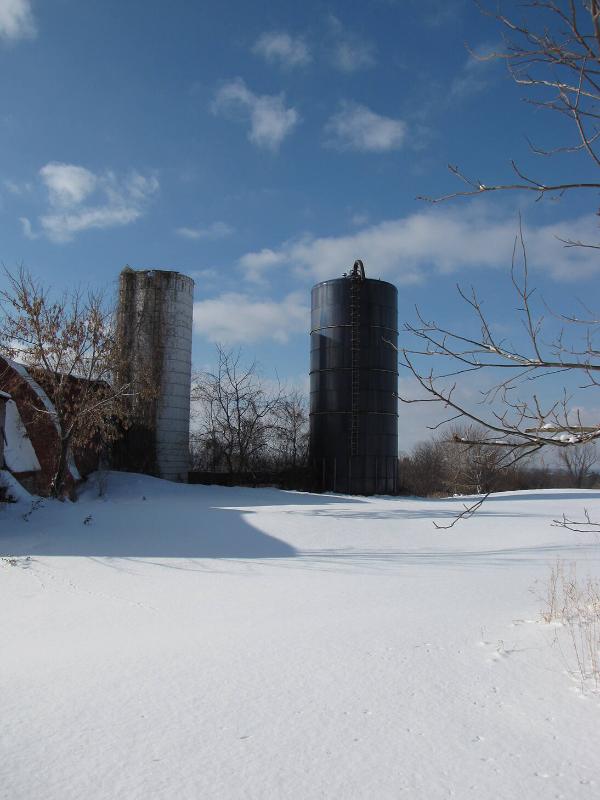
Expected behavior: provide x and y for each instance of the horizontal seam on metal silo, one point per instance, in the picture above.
(380, 413)
(349, 369)
(349, 325)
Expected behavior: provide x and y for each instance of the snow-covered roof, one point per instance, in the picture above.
(45, 400)
(21, 369)
(13, 489)
(19, 455)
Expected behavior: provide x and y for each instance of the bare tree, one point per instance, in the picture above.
(235, 411)
(474, 466)
(68, 346)
(425, 471)
(579, 463)
(460, 463)
(521, 425)
(290, 432)
(555, 55)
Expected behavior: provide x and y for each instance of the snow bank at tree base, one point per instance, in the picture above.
(169, 641)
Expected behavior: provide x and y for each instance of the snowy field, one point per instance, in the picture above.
(192, 642)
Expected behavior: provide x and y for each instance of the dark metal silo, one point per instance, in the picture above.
(354, 384)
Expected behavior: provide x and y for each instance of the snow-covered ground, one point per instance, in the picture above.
(171, 641)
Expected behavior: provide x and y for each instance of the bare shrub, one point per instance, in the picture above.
(579, 463)
(463, 463)
(574, 604)
(424, 470)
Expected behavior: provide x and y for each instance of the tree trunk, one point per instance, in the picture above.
(58, 488)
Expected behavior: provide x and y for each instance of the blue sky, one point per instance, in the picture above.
(263, 146)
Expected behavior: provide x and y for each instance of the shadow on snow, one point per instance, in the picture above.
(143, 517)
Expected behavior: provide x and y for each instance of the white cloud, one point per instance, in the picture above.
(270, 120)
(438, 240)
(16, 20)
(64, 226)
(28, 231)
(359, 219)
(17, 188)
(277, 46)
(216, 230)
(349, 52)
(474, 75)
(136, 187)
(466, 84)
(235, 318)
(356, 127)
(255, 264)
(209, 274)
(69, 186)
(436, 13)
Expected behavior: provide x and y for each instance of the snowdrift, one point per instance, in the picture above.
(168, 641)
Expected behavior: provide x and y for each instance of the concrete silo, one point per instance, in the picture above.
(354, 384)
(155, 332)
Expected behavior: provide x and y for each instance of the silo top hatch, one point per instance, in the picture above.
(332, 299)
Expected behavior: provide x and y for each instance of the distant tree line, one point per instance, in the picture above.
(464, 462)
(241, 423)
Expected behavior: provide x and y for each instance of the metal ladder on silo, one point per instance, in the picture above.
(357, 276)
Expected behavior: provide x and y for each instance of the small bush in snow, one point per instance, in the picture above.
(574, 604)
